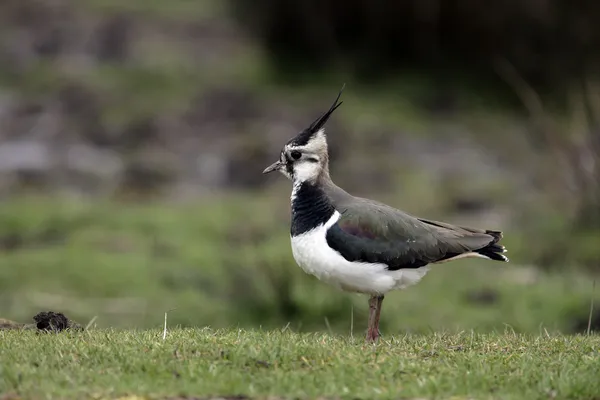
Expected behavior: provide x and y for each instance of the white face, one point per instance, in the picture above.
(304, 163)
(299, 164)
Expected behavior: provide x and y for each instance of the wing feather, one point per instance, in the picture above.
(376, 233)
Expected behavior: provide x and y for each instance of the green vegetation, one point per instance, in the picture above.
(226, 261)
(108, 364)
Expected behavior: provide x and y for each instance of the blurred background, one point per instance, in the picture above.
(133, 135)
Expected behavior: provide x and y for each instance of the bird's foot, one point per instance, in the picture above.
(373, 336)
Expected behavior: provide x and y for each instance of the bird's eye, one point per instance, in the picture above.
(295, 154)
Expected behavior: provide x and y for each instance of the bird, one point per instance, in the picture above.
(361, 245)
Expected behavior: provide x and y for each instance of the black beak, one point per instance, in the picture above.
(273, 167)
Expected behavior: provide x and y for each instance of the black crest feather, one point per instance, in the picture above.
(304, 137)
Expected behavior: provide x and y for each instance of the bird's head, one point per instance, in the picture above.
(305, 157)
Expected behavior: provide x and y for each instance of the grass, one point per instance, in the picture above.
(128, 263)
(201, 362)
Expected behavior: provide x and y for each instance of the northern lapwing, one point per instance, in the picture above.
(361, 245)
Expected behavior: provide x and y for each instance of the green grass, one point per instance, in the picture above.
(200, 362)
(128, 263)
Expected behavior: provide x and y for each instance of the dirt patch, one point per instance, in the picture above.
(46, 321)
(8, 324)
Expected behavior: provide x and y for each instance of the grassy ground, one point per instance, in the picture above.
(200, 362)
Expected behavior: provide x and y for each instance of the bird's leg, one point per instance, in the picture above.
(374, 312)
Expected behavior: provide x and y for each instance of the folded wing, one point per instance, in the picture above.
(375, 233)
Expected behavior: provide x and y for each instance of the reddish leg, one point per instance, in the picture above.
(374, 312)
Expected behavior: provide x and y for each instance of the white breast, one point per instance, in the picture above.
(315, 257)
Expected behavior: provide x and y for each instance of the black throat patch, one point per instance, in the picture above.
(310, 208)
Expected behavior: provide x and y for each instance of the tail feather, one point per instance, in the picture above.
(493, 250)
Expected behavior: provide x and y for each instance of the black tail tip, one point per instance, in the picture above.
(494, 256)
(494, 251)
